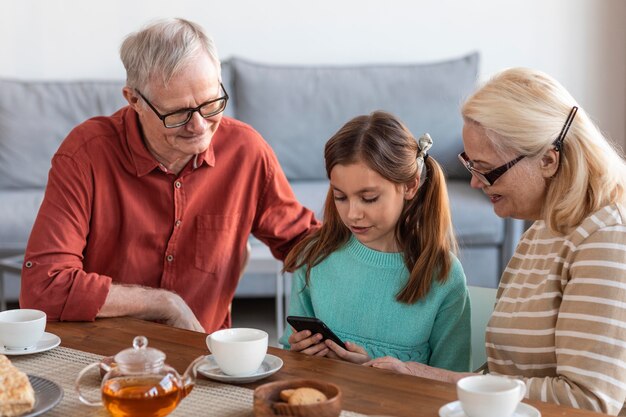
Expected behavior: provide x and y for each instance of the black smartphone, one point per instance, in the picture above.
(315, 325)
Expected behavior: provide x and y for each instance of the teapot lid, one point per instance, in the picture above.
(140, 354)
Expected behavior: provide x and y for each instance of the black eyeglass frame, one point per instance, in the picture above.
(190, 111)
(489, 178)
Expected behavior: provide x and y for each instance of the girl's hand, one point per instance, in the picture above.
(308, 344)
(354, 352)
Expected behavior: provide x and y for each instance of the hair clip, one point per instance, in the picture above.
(558, 143)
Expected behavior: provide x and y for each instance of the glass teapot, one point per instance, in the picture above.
(140, 383)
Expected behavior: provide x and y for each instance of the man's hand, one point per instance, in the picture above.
(176, 312)
(153, 304)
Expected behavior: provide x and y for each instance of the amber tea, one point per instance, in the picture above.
(146, 396)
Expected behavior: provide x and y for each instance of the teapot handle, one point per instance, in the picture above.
(82, 373)
(191, 373)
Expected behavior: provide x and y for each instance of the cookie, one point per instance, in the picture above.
(286, 393)
(305, 396)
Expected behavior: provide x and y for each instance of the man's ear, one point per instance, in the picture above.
(131, 96)
(410, 189)
(550, 163)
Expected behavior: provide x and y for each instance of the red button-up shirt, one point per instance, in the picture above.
(111, 214)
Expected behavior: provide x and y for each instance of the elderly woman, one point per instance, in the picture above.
(559, 322)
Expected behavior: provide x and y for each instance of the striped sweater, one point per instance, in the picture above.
(560, 317)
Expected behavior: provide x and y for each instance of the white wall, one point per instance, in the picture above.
(580, 42)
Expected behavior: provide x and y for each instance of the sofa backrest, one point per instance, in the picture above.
(35, 117)
(298, 108)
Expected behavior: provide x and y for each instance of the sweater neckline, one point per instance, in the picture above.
(374, 257)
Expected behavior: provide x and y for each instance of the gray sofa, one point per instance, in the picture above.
(296, 109)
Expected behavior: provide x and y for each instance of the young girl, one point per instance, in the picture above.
(380, 272)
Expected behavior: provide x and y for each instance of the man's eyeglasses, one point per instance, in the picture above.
(489, 178)
(183, 116)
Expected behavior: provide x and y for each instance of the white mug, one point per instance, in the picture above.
(239, 351)
(490, 395)
(21, 329)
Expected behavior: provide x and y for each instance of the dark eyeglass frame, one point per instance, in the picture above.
(190, 111)
(489, 178)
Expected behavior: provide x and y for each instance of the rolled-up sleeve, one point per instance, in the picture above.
(53, 279)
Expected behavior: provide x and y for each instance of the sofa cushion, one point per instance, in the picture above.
(297, 109)
(311, 194)
(18, 211)
(227, 81)
(474, 220)
(36, 116)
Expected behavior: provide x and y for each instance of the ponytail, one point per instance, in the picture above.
(425, 235)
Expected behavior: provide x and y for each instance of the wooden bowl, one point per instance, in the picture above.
(267, 402)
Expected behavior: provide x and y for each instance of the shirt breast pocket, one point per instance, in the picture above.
(216, 238)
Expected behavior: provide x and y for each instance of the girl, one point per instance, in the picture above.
(559, 322)
(380, 272)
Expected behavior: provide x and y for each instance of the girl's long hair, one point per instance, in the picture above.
(424, 230)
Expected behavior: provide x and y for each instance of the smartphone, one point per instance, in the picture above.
(315, 325)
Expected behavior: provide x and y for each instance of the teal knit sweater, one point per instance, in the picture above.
(354, 292)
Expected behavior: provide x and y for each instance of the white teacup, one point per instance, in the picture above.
(21, 329)
(490, 395)
(239, 351)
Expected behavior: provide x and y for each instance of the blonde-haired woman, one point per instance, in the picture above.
(559, 322)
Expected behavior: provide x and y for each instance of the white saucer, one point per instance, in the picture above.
(270, 365)
(454, 409)
(48, 341)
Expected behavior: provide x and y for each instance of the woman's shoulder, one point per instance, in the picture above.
(610, 220)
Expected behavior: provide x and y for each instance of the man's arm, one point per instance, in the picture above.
(149, 304)
(53, 278)
(283, 221)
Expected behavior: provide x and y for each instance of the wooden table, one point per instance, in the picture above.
(366, 390)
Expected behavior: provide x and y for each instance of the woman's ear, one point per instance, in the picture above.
(550, 163)
(410, 189)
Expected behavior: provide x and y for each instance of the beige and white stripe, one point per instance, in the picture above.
(560, 317)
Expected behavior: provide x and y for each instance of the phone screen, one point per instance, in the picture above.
(315, 325)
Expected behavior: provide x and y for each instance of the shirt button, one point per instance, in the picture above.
(169, 258)
(178, 222)
(28, 264)
(178, 184)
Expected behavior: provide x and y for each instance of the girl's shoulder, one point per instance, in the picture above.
(455, 280)
(456, 269)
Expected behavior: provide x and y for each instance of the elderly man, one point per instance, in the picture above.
(147, 212)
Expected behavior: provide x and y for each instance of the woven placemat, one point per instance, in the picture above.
(62, 365)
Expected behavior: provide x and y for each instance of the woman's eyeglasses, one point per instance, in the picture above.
(489, 178)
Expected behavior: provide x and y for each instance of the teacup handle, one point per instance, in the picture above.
(208, 343)
(82, 373)
(522, 389)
